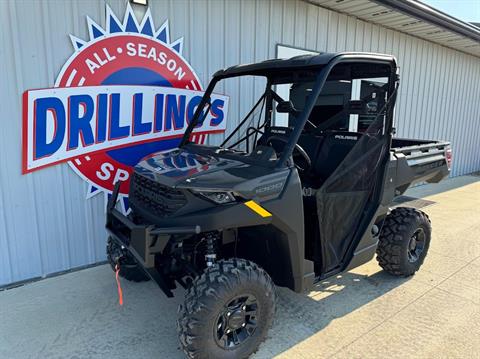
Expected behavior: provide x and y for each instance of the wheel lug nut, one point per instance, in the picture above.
(228, 331)
(244, 307)
(243, 324)
(228, 314)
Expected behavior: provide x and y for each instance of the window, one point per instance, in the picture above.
(373, 92)
(351, 99)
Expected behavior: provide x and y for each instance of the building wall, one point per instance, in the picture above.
(47, 225)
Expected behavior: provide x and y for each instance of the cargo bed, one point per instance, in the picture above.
(419, 161)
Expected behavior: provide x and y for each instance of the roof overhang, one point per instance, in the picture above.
(414, 18)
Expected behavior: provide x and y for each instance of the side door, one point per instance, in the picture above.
(356, 153)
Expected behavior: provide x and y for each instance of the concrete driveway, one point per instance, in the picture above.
(361, 314)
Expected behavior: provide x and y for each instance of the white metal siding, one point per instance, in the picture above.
(46, 225)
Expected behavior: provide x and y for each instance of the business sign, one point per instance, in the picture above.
(124, 94)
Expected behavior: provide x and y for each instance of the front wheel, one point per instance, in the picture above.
(227, 311)
(404, 241)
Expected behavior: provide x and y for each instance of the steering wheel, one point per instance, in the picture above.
(298, 153)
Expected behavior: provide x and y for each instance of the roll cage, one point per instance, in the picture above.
(314, 68)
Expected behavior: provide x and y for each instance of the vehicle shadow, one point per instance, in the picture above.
(299, 316)
(85, 321)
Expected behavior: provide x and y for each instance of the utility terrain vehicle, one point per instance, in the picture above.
(299, 191)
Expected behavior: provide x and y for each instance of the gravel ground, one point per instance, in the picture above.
(364, 313)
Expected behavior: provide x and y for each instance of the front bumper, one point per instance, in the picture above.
(142, 241)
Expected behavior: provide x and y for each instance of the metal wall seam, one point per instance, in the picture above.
(459, 130)
(471, 104)
(473, 146)
(469, 111)
(451, 109)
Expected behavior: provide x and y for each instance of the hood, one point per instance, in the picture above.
(183, 169)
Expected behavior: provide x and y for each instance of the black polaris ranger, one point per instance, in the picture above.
(298, 191)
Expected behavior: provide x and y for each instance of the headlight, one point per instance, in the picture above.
(217, 197)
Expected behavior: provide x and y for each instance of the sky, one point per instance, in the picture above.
(466, 10)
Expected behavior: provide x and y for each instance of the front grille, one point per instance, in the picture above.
(154, 197)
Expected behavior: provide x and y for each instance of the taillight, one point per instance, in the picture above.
(448, 157)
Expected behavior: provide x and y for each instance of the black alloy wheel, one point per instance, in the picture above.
(237, 322)
(416, 245)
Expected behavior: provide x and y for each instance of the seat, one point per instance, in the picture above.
(308, 141)
(331, 152)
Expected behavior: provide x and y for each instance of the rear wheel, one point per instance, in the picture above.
(227, 311)
(129, 267)
(404, 241)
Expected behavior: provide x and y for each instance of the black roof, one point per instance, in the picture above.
(302, 61)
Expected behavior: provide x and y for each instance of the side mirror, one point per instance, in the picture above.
(286, 107)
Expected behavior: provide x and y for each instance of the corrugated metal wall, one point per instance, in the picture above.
(46, 225)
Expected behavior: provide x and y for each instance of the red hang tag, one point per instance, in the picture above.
(119, 287)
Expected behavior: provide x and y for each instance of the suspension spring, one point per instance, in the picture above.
(210, 254)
